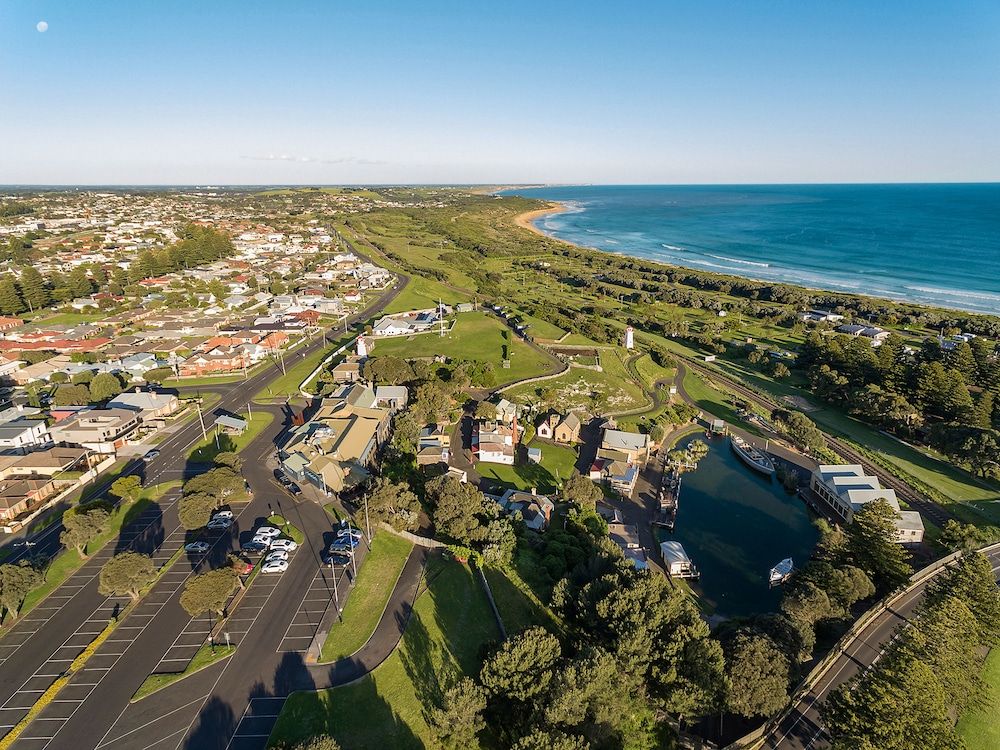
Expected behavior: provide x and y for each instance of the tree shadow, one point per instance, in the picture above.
(150, 533)
(215, 725)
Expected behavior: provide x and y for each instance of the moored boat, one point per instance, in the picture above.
(780, 572)
(751, 456)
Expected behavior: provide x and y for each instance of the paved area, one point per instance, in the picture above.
(317, 599)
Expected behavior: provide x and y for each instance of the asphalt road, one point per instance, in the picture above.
(802, 728)
(33, 642)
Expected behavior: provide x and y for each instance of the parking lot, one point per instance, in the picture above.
(318, 598)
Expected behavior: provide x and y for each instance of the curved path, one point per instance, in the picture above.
(800, 728)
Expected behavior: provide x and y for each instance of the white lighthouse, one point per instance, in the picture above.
(629, 338)
(362, 347)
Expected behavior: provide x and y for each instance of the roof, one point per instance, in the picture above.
(571, 422)
(673, 552)
(236, 423)
(625, 441)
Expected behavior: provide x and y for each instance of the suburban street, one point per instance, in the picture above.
(39, 648)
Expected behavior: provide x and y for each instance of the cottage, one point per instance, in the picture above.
(534, 509)
(617, 444)
(391, 397)
(493, 442)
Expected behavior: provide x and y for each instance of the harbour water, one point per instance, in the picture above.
(736, 524)
(934, 244)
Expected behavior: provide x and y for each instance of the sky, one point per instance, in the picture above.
(336, 92)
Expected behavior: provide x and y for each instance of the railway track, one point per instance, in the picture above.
(931, 510)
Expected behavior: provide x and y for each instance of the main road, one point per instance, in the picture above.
(37, 649)
(801, 727)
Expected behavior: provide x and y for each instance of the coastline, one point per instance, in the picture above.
(528, 218)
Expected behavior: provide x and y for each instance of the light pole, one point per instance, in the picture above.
(336, 591)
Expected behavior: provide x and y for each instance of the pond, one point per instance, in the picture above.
(736, 524)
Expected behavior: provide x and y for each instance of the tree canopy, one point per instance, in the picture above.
(126, 574)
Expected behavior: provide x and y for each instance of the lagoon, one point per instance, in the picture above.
(735, 524)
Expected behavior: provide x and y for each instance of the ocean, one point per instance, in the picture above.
(928, 243)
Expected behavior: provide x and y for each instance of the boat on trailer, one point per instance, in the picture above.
(781, 572)
(752, 457)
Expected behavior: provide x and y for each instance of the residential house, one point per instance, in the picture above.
(846, 489)
(820, 316)
(433, 445)
(493, 442)
(391, 397)
(152, 406)
(9, 324)
(630, 447)
(534, 509)
(347, 371)
(19, 432)
(99, 430)
(626, 537)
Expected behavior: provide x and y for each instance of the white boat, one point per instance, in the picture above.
(751, 456)
(781, 571)
(677, 562)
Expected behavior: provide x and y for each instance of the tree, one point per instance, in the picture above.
(871, 540)
(209, 592)
(10, 298)
(581, 491)
(458, 508)
(71, 395)
(229, 460)
(157, 374)
(33, 288)
(432, 401)
(81, 525)
(485, 410)
(780, 371)
(406, 432)
(127, 488)
(393, 503)
(126, 574)
(758, 674)
(499, 542)
(220, 482)
(971, 581)
(105, 386)
(961, 537)
(458, 722)
(387, 370)
(523, 667)
(195, 510)
(320, 742)
(542, 739)
(15, 583)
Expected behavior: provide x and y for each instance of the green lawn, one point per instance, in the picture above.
(287, 527)
(69, 561)
(206, 380)
(475, 336)
(450, 624)
(69, 318)
(714, 401)
(421, 293)
(376, 580)
(218, 442)
(556, 466)
(981, 729)
(519, 606)
(205, 656)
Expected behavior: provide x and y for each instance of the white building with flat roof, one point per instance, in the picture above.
(846, 488)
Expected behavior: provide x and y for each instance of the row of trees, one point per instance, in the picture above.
(207, 491)
(929, 674)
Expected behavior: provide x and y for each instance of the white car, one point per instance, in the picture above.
(268, 531)
(197, 547)
(286, 545)
(275, 566)
(265, 540)
(222, 514)
(276, 555)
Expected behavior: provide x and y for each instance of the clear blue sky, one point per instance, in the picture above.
(213, 91)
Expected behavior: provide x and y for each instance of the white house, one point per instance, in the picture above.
(846, 488)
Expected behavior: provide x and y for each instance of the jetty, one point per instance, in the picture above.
(668, 498)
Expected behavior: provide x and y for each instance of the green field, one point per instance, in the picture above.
(474, 336)
(519, 606)
(369, 596)
(218, 442)
(981, 729)
(611, 391)
(450, 624)
(557, 464)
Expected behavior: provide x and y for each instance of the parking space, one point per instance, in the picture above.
(256, 724)
(318, 598)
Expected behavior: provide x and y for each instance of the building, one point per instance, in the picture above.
(433, 445)
(627, 539)
(873, 333)
(630, 447)
(493, 442)
(391, 397)
(19, 432)
(820, 316)
(534, 509)
(99, 430)
(629, 337)
(28, 481)
(568, 429)
(150, 405)
(348, 371)
(846, 489)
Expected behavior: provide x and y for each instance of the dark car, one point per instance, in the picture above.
(254, 547)
(293, 488)
(280, 475)
(336, 559)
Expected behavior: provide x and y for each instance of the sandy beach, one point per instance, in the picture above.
(527, 219)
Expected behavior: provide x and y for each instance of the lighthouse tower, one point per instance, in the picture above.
(362, 347)
(629, 338)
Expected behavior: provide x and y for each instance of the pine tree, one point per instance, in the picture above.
(33, 289)
(10, 299)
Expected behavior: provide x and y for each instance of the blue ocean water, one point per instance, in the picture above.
(936, 244)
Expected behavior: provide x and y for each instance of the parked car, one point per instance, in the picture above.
(336, 558)
(151, 455)
(222, 514)
(341, 548)
(348, 532)
(197, 547)
(293, 488)
(268, 531)
(219, 524)
(348, 540)
(254, 546)
(277, 566)
(263, 541)
(286, 545)
(276, 555)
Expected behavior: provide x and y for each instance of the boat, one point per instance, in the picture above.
(780, 572)
(676, 561)
(751, 456)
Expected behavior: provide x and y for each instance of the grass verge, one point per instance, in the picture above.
(981, 729)
(208, 449)
(205, 657)
(376, 580)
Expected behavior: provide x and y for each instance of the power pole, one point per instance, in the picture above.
(201, 418)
